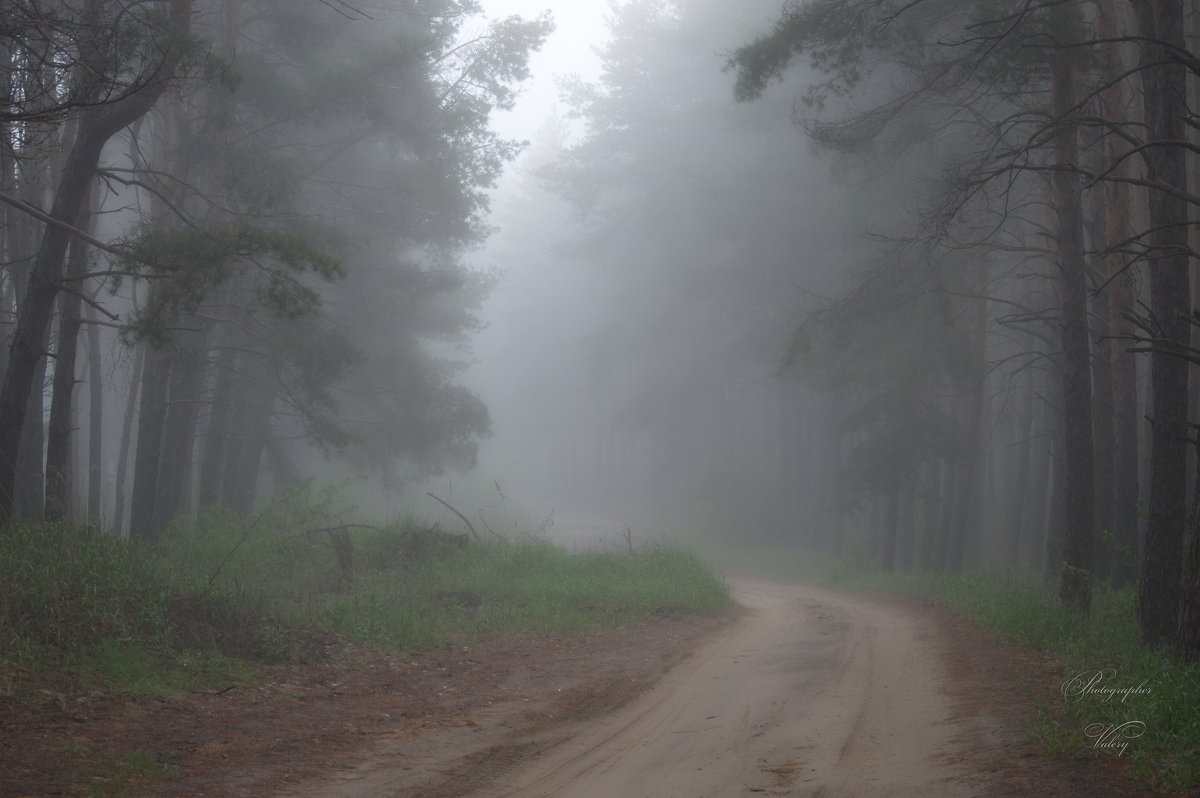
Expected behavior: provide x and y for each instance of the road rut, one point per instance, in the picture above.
(814, 693)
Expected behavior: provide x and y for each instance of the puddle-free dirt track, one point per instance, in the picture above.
(804, 692)
(809, 693)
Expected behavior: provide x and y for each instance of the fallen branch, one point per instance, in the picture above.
(448, 506)
(488, 527)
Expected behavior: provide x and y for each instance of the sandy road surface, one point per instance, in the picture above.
(812, 694)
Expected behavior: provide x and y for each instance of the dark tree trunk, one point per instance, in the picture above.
(1117, 201)
(97, 125)
(968, 483)
(135, 383)
(30, 487)
(1075, 586)
(235, 441)
(1056, 521)
(1021, 468)
(1164, 93)
(1188, 638)
(143, 512)
(95, 422)
(58, 430)
(254, 431)
(179, 436)
(1103, 448)
(216, 439)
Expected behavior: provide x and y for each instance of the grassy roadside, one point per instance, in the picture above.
(1105, 647)
(226, 595)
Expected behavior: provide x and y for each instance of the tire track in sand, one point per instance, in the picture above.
(813, 693)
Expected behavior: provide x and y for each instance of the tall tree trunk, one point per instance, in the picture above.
(143, 508)
(1118, 200)
(1125, 445)
(1075, 586)
(1057, 519)
(255, 430)
(964, 524)
(236, 440)
(58, 430)
(95, 480)
(135, 383)
(1104, 446)
(1021, 467)
(1188, 637)
(1038, 516)
(216, 439)
(1164, 93)
(97, 125)
(179, 435)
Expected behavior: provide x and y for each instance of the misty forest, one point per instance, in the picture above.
(906, 287)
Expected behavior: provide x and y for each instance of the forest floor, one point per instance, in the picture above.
(802, 692)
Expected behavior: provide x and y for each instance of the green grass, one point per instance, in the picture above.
(124, 776)
(495, 590)
(222, 595)
(1025, 611)
(76, 602)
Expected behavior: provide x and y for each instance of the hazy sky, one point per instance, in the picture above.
(579, 28)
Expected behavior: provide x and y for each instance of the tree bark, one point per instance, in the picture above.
(143, 507)
(968, 482)
(1164, 96)
(1118, 200)
(135, 383)
(242, 492)
(58, 430)
(179, 434)
(219, 422)
(97, 125)
(1075, 585)
(95, 479)
(1021, 468)
(1057, 518)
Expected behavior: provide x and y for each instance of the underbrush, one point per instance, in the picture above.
(76, 602)
(224, 594)
(525, 589)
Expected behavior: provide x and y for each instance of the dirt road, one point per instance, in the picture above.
(812, 694)
(805, 693)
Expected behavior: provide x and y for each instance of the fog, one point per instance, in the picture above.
(357, 356)
(737, 273)
(656, 250)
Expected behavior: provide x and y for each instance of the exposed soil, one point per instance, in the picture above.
(804, 693)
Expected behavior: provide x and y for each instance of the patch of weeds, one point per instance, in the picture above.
(131, 666)
(277, 642)
(223, 591)
(133, 774)
(521, 589)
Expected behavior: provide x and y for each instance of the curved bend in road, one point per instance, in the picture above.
(811, 694)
